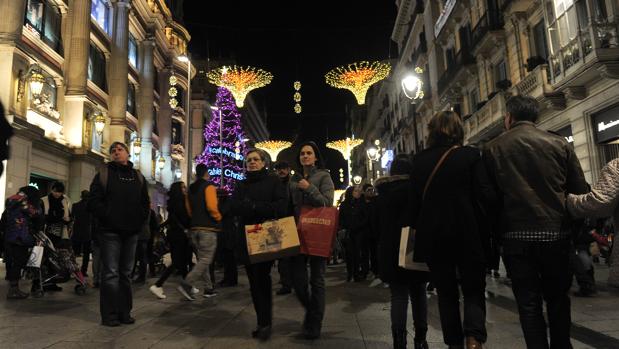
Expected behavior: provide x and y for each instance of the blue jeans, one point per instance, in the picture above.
(117, 257)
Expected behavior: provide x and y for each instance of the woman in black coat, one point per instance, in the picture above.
(392, 202)
(353, 218)
(447, 213)
(260, 197)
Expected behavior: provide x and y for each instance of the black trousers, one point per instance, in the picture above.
(259, 276)
(354, 247)
(231, 272)
(284, 268)
(310, 289)
(401, 291)
(178, 252)
(449, 272)
(373, 255)
(16, 258)
(83, 247)
(540, 271)
(141, 258)
(117, 257)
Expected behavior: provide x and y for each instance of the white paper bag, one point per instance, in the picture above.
(407, 246)
(36, 256)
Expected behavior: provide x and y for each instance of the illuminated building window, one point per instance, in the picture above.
(45, 20)
(100, 12)
(133, 51)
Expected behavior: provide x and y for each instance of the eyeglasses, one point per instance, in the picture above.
(253, 159)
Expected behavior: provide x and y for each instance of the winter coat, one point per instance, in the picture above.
(392, 205)
(448, 219)
(260, 197)
(57, 215)
(353, 217)
(19, 220)
(319, 193)
(601, 201)
(122, 206)
(534, 171)
(82, 222)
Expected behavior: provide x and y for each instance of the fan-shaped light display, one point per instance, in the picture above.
(239, 80)
(273, 147)
(358, 77)
(345, 146)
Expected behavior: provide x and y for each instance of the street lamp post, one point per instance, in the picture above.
(412, 86)
(373, 155)
(185, 58)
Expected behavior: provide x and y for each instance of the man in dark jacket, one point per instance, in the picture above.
(205, 224)
(119, 201)
(283, 265)
(535, 170)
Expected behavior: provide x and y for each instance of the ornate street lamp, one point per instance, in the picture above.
(412, 86)
(99, 121)
(137, 146)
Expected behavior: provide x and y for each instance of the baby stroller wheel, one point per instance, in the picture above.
(80, 290)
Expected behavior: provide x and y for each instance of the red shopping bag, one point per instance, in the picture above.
(317, 228)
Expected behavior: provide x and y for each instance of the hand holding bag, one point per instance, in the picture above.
(317, 230)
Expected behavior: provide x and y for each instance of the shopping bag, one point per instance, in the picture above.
(272, 240)
(407, 247)
(317, 230)
(36, 256)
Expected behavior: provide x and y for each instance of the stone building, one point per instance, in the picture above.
(77, 75)
(476, 53)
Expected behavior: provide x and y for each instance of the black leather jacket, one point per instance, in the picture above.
(533, 170)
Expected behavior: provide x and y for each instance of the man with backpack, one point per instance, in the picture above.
(120, 203)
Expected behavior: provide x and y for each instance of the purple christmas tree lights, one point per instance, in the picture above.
(231, 149)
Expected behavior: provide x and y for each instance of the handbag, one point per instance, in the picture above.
(36, 256)
(407, 235)
(317, 230)
(272, 239)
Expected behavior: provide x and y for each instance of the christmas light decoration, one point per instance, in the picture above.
(173, 92)
(345, 147)
(273, 147)
(239, 80)
(229, 152)
(297, 97)
(358, 77)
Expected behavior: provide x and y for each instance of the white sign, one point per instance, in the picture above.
(602, 126)
(442, 19)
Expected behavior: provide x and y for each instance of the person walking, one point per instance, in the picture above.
(353, 218)
(312, 187)
(282, 169)
(22, 216)
(391, 204)
(82, 230)
(205, 224)
(449, 186)
(143, 253)
(534, 171)
(260, 197)
(120, 203)
(601, 202)
(178, 224)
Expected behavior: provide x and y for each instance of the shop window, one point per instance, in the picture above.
(133, 51)
(131, 100)
(96, 67)
(45, 19)
(100, 12)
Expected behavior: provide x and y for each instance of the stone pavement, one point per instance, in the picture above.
(357, 316)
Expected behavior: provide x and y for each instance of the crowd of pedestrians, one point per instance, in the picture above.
(521, 197)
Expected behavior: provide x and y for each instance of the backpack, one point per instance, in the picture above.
(16, 221)
(103, 177)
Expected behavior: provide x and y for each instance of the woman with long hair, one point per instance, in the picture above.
(312, 187)
(260, 197)
(176, 236)
(450, 195)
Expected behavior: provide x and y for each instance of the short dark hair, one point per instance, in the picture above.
(282, 165)
(401, 165)
(118, 143)
(319, 163)
(201, 170)
(522, 108)
(58, 187)
(445, 129)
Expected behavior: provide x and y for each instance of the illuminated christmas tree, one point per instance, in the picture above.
(227, 155)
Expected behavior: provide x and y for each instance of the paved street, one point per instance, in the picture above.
(357, 316)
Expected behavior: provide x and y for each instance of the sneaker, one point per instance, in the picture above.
(157, 291)
(210, 293)
(194, 291)
(186, 292)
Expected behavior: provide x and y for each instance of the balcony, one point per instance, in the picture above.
(488, 118)
(462, 69)
(590, 55)
(536, 84)
(487, 32)
(507, 7)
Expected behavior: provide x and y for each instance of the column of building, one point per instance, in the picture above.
(10, 31)
(119, 71)
(145, 106)
(165, 126)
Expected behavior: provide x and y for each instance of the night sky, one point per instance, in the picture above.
(299, 41)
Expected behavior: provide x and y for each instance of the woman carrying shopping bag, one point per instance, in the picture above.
(312, 187)
(259, 198)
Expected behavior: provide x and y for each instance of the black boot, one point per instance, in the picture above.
(399, 338)
(16, 293)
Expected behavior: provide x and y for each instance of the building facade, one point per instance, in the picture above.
(476, 53)
(77, 75)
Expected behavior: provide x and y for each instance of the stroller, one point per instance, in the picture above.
(57, 266)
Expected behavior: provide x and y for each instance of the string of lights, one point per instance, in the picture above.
(297, 97)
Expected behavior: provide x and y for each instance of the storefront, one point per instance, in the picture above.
(606, 133)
